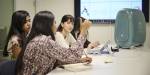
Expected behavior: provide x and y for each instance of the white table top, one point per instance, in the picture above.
(125, 62)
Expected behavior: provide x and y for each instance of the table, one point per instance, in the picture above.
(134, 61)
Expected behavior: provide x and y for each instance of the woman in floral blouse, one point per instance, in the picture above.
(41, 52)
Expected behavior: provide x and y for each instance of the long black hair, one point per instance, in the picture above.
(76, 29)
(65, 18)
(42, 25)
(16, 28)
(77, 26)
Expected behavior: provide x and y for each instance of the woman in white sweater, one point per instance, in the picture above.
(63, 35)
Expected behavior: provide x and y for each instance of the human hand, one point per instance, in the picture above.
(85, 26)
(15, 50)
(87, 60)
(93, 45)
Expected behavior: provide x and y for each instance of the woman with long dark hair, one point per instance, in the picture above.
(20, 26)
(63, 35)
(76, 31)
(40, 52)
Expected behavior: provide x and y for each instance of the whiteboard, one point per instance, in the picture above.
(106, 9)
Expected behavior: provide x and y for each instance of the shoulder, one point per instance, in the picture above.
(14, 39)
(58, 34)
(41, 38)
(39, 42)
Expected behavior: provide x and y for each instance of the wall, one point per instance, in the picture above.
(6, 7)
(101, 32)
(59, 8)
(147, 43)
(6, 10)
(28, 5)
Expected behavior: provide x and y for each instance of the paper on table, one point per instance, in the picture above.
(78, 67)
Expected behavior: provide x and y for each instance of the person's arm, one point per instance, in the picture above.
(87, 42)
(12, 42)
(14, 47)
(72, 54)
(67, 56)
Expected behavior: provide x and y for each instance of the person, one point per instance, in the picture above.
(76, 31)
(40, 52)
(20, 26)
(63, 35)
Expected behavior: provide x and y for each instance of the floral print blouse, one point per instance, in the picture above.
(42, 53)
(13, 47)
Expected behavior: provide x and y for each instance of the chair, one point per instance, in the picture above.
(7, 67)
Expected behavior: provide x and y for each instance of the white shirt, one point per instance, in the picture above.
(64, 42)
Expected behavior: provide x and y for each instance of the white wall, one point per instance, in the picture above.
(58, 7)
(28, 5)
(6, 7)
(147, 43)
(101, 32)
